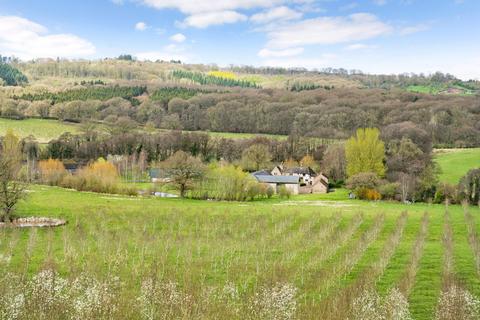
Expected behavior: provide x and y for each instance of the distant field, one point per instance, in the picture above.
(454, 163)
(43, 130)
(325, 246)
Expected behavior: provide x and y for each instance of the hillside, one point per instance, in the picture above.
(325, 104)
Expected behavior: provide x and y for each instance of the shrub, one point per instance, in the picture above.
(52, 171)
(446, 191)
(283, 192)
(388, 190)
(227, 182)
(365, 185)
(373, 195)
(99, 176)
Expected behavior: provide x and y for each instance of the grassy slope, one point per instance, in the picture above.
(454, 163)
(43, 130)
(208, 243)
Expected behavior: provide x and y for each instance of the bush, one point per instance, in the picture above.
(230, 183)
(388, 190)
(373, 195)
(446, 191)
(369, 180)
(365, 185)
(52, 171)
(283, 192)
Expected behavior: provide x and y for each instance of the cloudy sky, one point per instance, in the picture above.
(376, 36)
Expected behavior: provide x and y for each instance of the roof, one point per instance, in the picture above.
(262, 173)
(278, 179)
(301, 170)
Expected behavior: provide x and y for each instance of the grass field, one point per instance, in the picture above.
(43, 130)
(454, 163)
(307, 257)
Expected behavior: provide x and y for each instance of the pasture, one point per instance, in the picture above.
(455, 163)
(43, 130)
(308, 257)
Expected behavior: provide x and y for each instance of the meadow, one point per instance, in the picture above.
(455, 163)
(307, 257)
(42, 129)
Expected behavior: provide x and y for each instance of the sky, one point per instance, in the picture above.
(374, 36)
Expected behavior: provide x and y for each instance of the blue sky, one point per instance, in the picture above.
(375, 36)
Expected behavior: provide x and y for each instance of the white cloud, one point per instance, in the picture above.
(328, 30)
(141, 26)
(201, 14)
(204, 20)
(195, 6)
(359, 46)
(414, 29)
(178, 37)
(274, 14)
(267, 53)
(26, 39)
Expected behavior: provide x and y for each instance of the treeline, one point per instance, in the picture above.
(92, 93)
(301, 86)
(161, 145)
(10, 75)
(166, 94)
(205, 79)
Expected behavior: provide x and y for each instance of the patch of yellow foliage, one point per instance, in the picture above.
(223, 74)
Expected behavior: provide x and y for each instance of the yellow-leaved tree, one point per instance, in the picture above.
(365, 152)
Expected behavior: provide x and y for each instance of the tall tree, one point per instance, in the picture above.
(365, 152)
(11, 187)
(183, 170)
(255, 157)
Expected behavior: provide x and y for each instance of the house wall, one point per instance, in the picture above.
(319, 188)
(276, 172)
(293, 188)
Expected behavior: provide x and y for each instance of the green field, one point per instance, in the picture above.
(43, 130)
(325, 246)
(454, 163)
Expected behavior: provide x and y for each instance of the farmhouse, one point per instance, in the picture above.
(292, 183)
(298, 180)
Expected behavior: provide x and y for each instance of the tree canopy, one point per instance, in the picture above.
(365, 152)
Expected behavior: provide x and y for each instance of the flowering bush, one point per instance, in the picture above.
(276, 303)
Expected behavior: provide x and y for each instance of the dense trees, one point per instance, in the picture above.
(329, 114)
(11, 76)
(206, 79)
(93, 93)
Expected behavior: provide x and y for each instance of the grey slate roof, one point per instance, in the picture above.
(301, 170)
(262, 173)
(278, 179)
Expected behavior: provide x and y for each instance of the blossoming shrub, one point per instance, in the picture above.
(457, 303)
